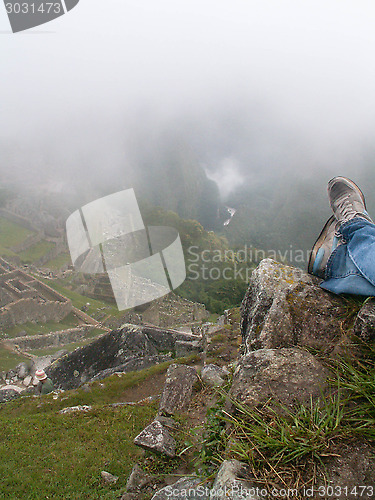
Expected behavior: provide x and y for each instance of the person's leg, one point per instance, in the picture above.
(350, 263)
(341, 273)
(359, 235)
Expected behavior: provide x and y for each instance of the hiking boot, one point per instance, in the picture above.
(346, 199)
(326, 243)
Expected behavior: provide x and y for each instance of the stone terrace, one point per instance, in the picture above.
(23, 298)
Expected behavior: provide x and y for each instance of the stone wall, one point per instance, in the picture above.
(25, 310)
(51, 339)
(48, 292)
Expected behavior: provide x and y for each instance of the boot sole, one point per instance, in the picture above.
(318, 243)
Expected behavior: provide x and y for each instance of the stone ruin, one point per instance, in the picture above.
(23, 298)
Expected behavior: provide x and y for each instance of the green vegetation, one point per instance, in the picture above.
(357, 376)
(10, 359)
(279, 442)
(215, 275)
(6, 252)
(50, 455)
(12, 234)
(79, 300)
(58, 262)
(61, 456)
(35, 252)
(69, 321)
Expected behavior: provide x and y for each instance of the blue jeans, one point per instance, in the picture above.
(351, 267)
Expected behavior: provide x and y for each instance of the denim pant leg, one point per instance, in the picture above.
(351, 267)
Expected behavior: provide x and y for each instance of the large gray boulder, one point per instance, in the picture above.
(132, 345)
(133, 363)
(285, 375)
(184, 347)
(285, 307)
(178, 389)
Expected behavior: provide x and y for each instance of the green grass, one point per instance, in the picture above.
(357, 377)
(58, 262)
(61, 456)
(48, 455)
(9, 359)
(279, 442)
(12, 234)
(267, 436)
(79, 300)
(213, 317)
(219, 338)
(6, 252)
(35, 252)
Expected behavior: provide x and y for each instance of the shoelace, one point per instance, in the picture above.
(345, 206)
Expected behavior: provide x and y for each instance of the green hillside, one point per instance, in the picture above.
(46, 454)
(12, 234)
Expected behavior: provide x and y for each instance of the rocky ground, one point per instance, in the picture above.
(292, 332)
(258, 410)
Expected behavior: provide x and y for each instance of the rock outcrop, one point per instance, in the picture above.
(126, 349)
(285, 307)
(284, 315)
(287, 376)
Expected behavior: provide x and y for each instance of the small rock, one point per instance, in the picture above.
(155, 437)
(227, 480)
(8, 394)
(138, 479)
(22, 370)
(109, 478)
(167, 422)
(178, 389)
(27, 380)
(11, 376)
(213, 375)
(73, 409)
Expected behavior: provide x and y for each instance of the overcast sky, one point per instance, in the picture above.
(255, 86)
